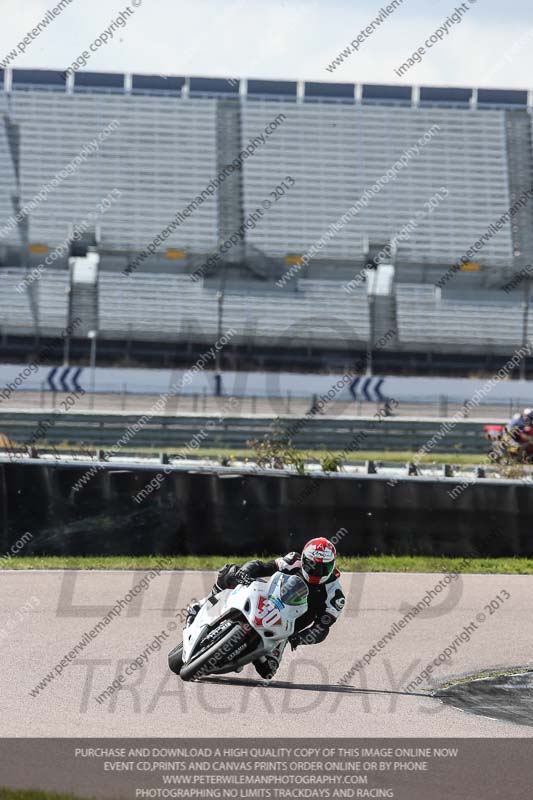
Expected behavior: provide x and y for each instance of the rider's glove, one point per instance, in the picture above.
(224, 573)
(231, 575)
(241, 576)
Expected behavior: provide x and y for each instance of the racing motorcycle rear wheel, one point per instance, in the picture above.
(215, 655)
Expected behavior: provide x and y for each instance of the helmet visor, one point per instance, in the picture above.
(317, 569)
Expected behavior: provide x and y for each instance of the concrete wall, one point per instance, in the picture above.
(266, 384)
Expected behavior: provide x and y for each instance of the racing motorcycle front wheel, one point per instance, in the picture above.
(175, 659)
(215, 654)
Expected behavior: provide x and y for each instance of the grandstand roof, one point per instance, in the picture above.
(13, 80)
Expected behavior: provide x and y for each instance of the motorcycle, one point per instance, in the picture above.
(238, 626)
(510, 444)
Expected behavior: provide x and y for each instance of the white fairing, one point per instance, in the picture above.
(259, 603)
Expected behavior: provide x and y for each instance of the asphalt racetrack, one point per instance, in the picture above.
(43, 615)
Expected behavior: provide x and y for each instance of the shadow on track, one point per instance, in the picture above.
(307, 687)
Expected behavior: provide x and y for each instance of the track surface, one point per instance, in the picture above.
(305, 699)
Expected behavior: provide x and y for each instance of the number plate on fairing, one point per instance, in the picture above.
(268, 613)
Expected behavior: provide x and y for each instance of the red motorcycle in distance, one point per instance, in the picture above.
(510, 444)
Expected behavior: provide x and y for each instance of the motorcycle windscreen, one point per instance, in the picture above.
(292, 590)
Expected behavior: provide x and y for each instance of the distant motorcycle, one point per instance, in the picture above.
(238, 626)
(510, 444)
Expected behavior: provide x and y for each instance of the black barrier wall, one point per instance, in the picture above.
(226, 512)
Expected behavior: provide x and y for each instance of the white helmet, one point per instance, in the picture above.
(318, 560)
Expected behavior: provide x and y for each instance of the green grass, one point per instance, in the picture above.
(479, 676)
(32, 794)
(494, 566)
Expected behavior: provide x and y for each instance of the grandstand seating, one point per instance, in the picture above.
(151, 306)
(165, 152)
(160, 156)
(15, 310)
(335, 141)
(335, 152)
(427, 320)
(51, 303)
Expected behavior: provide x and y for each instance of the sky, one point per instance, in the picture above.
(491, 45)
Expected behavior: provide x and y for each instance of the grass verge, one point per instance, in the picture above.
(480, 676)
(389, 456)
(480, 566)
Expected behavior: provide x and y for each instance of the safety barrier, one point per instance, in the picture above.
(101, 508)
(352, 433)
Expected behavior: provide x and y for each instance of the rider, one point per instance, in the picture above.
(521, 426)
(316, 565)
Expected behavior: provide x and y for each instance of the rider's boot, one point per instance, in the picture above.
(267, 666)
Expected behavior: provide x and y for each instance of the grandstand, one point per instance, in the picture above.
(477, 323)
(161, 142)
(186, 311)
